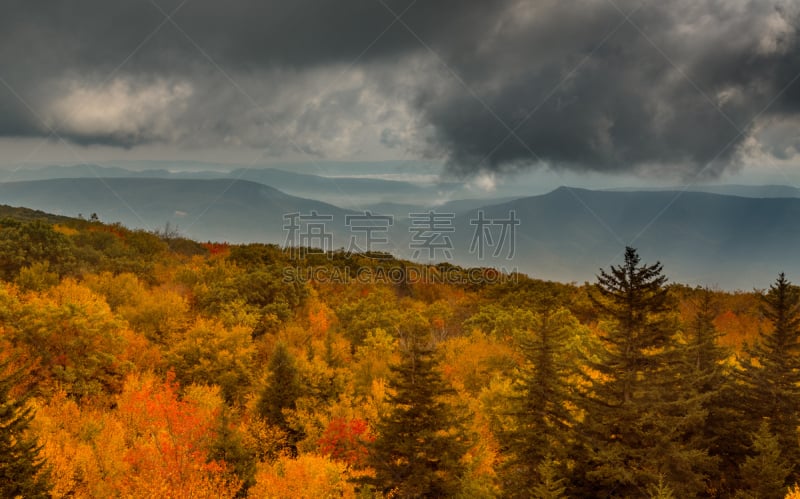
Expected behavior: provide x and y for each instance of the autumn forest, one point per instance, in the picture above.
(140, 364)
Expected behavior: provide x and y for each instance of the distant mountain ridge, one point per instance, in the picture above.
(338, 190)
(748, 191)
(701, 238)
(566, 235)
(204, 209)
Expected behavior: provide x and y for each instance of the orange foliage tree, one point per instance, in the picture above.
(167, 456)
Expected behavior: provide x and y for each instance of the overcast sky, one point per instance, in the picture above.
(661, 89)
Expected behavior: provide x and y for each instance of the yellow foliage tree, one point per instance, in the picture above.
(310, 476)
(77, 339)
(210, 353)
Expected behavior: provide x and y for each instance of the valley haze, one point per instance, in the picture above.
(727, 236)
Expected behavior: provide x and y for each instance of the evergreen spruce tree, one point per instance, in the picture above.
(660, 491)
(705, 352)
(282, 391)
(712, 382)
(540, 409)
(764, 473)
(550, 483)
(421, 441)
(20, 465)
(771, 378)
(228, 446)
(641, 414)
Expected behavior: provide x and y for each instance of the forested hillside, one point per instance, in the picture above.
(137, 364)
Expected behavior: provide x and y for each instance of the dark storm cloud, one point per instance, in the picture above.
(241, 35)
(676, 88)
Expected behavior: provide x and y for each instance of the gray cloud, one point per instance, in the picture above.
(627, 106)
(451, 89)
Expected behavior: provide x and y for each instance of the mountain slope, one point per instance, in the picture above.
(747, 191)
(348, 191)
(231, 210)
(701, 238)
(566, 235)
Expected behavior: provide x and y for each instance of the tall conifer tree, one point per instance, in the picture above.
(537, 443)
(771, 378)
(640, 415)
(764, 473)
(710, 378)
(281, 393)
(20, 465)
(420, 442)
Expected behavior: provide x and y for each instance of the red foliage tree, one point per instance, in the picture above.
(346, 440)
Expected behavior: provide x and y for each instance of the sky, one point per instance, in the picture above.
(675, 91)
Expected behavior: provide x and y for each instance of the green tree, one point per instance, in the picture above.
(379, 309)
(22, 244)
(705, 353)
(711, 379)
(771, 378)
(764, 473)
(420, 442)
(228, 446)
(660, 491)
(540, 408)
(641, 414)
(281, 392)
(550, 482)
(36, 277)
(21, 473)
